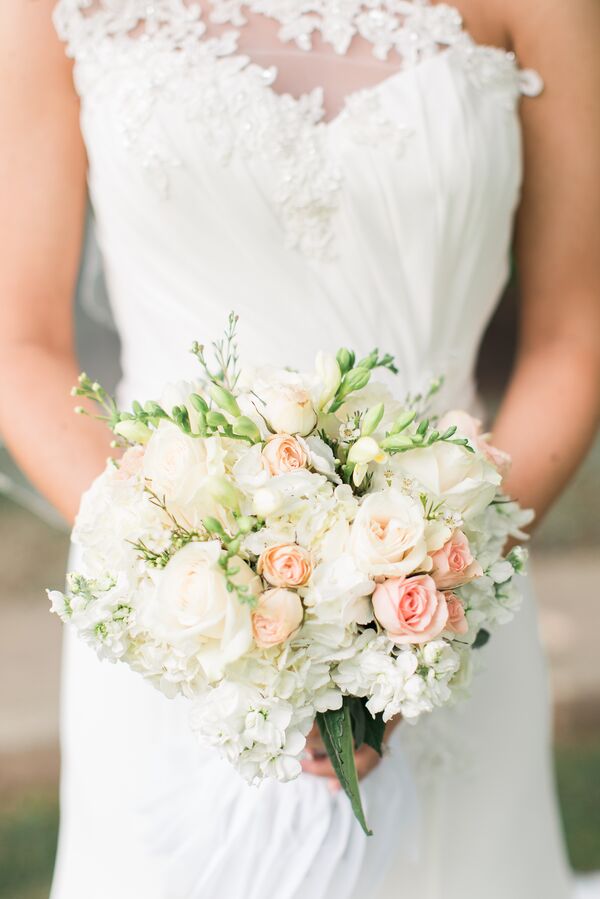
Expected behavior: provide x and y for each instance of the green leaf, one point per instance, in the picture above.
(481, 639)
(357, 716)
(374, 731)
(336, 732)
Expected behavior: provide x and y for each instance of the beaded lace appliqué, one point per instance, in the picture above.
(167, 51)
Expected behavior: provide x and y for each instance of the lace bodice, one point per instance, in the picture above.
(356, 162)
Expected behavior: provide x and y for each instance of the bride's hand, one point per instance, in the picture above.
(317, 761)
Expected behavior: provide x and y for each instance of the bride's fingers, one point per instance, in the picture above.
(320, 767)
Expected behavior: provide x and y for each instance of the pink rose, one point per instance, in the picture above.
(278, 614)
(283, 453)
(285, 565)
(411, 610)
(471, 428)
(457, 622)
(453, 564)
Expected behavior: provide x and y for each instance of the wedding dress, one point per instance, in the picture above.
(339, 172)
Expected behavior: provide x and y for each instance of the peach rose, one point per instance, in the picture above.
(278, 614)
(457, 623)
(453, 564)
(471, 428)
(283, 453)
(411, 610)
(285, 565)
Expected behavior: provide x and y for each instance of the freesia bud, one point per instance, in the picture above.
(372, 419)
(245, 427)
(403, 421)
(356, 380)
(329, 375)
(133, 431)
(224, 399)
(345, 359)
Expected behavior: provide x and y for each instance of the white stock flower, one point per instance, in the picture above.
(340, 592)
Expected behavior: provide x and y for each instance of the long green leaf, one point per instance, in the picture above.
(336, 731)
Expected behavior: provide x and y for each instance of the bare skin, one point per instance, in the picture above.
(550, 412)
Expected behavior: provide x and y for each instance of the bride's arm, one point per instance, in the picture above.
(549, 416)
(42, 208)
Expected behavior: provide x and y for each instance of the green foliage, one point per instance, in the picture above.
(336, 732)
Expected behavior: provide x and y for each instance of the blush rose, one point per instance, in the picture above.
(411, 610)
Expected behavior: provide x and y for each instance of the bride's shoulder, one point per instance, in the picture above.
(552, 32)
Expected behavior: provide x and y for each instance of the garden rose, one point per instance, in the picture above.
(457, 622)
(285, 565)
(193, 606)
(412, 610)
(471, 428)
(388, 535)
(284, 453)
(454, 564)
(278, 614)
(288, 407)
(179, 467)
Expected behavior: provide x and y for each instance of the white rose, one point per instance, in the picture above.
(286, 404)
(195, 610)
(179, 467)
(466, 481)
(388, 535)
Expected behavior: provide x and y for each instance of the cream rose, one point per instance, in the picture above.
(457, 622)
(466, 481)
(454, 564)
(283, 453)
(288, 408)
(285, 565)
(278, 614)
(179, 466)
(194, 607)
(472, 429)
(387, 537)
(412, 610)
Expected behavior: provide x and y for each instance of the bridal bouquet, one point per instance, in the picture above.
(283, 546)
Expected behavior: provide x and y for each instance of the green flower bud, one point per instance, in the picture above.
(403, 421)
(224, 399)
(213, 526)
(133, 431)
(198, 402)
(355, 380)
(372, 419)
(369, 361)
(246, 524)
(345, 360)
(395, 443)
(215, 419)
(245, 427)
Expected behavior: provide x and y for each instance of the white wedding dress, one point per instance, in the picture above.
(339, 172)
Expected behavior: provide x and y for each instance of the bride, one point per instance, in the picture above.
(339, 172)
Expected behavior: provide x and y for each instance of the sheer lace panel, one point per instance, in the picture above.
(354, 44)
